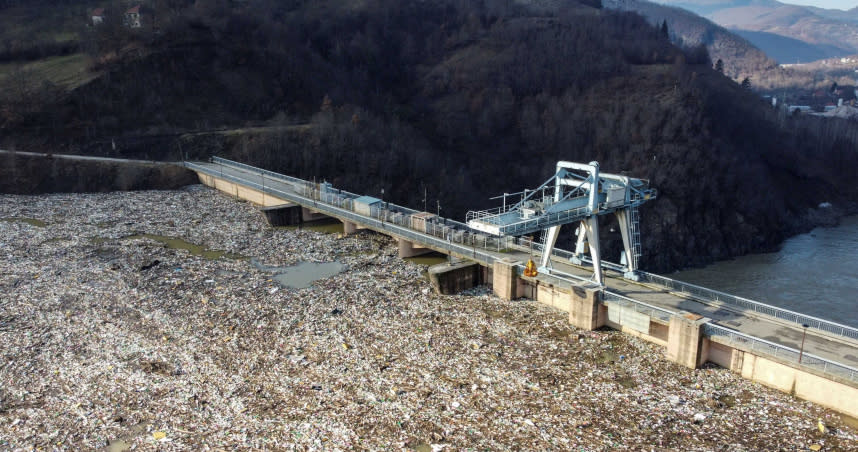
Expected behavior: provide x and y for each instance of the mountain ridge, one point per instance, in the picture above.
(833, 32)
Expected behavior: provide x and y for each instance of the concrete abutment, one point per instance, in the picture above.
(408, 249)
(685, 344)
(505, 279)
(282, 215)
(586, 310)
(452, 278)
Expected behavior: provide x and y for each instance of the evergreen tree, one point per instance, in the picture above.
(719, 66)
(664, 31)
(746, 83)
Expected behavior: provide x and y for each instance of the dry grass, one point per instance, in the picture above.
(69, 72)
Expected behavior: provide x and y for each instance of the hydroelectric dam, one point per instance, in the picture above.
(812, 358)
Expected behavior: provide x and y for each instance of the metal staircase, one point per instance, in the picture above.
(635, 231)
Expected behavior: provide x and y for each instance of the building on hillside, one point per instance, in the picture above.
(132, 17)
(97, 16)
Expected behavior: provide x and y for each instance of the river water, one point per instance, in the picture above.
(814, 273)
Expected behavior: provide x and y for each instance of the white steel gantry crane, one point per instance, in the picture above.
(577, 192)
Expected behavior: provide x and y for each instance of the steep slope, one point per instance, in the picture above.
(464, 101)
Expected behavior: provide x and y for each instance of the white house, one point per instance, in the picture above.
(97, 16)
(132, 17)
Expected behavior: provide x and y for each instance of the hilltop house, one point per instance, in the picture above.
(132, 17)
(97, 16)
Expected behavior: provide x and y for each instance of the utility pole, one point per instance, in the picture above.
(439, 207)
(803, 335)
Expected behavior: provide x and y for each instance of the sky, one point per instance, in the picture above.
(829, 4)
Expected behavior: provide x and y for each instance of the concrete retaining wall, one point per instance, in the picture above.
(805, 385)
(241, 192)
(452, 278)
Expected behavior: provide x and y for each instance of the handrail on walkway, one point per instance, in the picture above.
(710, 295)
(744, 303)
(800, 357)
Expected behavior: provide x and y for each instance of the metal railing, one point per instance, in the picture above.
(705, 294)
(638, 306)
(330, 203)
(253, 169)
(785, 353)
(481, 214)
(710, 295)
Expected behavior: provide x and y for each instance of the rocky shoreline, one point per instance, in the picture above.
(114, 343)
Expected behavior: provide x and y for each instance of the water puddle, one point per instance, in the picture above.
(194, 249)
(118, 445)
(430, 259)
(30, 221)
(850, 421)
(301, 275)
(175, 243)
(423, 447)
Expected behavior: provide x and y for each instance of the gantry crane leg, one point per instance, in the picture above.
(548, 247)
(591, 225)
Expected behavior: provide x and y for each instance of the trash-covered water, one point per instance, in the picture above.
(301, 275)
(814, 273)
(194, 249)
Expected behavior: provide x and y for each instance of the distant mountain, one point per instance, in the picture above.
(707, 7)
(836, 14)
(823, 32)
(740, 57)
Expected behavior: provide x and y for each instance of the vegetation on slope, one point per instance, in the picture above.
(463, 100)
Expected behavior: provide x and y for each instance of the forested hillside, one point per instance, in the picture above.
(463, 99)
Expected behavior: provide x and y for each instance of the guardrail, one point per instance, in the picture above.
(326, 202)
(744, 303)
(710, 295)
(765, 347)
(639, 306)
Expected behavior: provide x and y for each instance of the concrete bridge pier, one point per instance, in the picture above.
(312, 215)
(685, 341)
(453, 277)
(408, 249)
(349, 227)
(505, 279)
(282, 215)
(586, 310)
